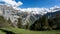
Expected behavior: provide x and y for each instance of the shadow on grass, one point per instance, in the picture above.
(7, 32)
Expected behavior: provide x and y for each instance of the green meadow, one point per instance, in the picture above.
(24, 31)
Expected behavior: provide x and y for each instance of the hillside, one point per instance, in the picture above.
(24, 31)
(3, 22)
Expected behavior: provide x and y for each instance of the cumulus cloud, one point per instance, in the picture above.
(12, 2)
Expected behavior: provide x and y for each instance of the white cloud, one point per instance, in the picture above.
(12, 2)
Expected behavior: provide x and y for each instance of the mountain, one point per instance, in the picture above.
(54, 12)
(50, 20)
(27, 15)
(8, 12)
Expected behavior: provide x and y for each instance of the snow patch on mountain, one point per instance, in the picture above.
(41, 11)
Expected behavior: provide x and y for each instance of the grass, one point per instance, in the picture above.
(24, 31)
(2, 32)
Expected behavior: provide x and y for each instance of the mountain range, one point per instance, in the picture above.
(27, 14)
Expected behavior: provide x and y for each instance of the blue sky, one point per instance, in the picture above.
(38, 3)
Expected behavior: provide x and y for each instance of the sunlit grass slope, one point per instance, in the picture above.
(24, 31)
